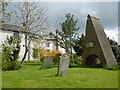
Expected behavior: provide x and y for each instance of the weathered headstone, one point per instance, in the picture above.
(47, 62)
(63, 65)
(95, 44)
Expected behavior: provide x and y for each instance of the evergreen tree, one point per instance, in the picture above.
(65, 38)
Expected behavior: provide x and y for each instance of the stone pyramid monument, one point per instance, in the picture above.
(96, 45)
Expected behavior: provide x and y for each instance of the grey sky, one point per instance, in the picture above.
(106, 11)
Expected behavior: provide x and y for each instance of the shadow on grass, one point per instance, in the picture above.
(56, 66)
(74, 66)
(83, 66)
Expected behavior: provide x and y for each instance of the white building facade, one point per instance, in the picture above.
(44, 41)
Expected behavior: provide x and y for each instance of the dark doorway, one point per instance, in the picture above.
(93, 61)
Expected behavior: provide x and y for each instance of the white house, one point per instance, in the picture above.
(45, 41)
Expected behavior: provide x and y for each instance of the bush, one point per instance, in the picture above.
(116, 67)
(76, 59)
(10, 53)
(10, 65)
(54, 53)
(11, 48)
(42, 52)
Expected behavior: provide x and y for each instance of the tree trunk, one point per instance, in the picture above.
(29, 50)
(57, 41)
(71, 54)
(26, 50)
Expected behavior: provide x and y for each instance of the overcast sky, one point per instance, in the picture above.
(106, 11)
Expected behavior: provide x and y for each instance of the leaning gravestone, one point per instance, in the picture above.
(47, 62)
(63, 65)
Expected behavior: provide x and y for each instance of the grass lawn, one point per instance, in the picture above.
(31, 77)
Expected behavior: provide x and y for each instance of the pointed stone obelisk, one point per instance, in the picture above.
(95, 44)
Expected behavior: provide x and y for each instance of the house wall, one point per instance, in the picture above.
(61, 49)
(3, 36)
(34, 44)
(51, 46)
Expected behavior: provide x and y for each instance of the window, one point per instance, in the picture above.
(16, 33)
(89, 44)
(35, 53)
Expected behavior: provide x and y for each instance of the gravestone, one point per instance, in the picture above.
(63, 65)
(47, 62)
(96, 45)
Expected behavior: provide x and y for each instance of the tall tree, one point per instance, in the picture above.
(65, 37)
(78, 46)
(33, 18)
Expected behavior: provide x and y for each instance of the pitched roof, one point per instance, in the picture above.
(12, 27)
(9, 27)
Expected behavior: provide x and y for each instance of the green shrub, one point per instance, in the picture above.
(116, 67)
(10, 65)
(10, 53)
(76, 59)
(11, 48)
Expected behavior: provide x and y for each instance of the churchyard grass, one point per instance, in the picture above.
(31, 76)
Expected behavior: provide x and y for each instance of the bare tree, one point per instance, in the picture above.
(33, 18)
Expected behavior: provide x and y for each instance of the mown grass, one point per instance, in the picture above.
(30, 76)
